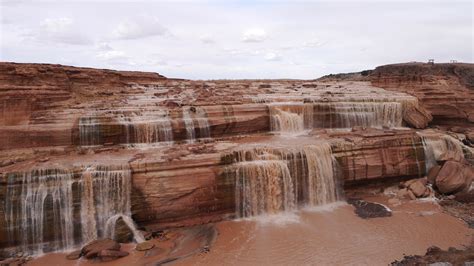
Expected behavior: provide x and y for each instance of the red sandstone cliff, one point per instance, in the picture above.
(447, 90)
(185, 183)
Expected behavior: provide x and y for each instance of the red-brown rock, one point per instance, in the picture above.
(108, 255)
(454, 176)
(92, 249)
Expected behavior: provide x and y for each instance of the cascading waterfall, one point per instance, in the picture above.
(437, 145)
(263, 187)
(145, 130)
(365, 114)
(88, 212)
(40, 209)
(110, 198)
(89, 131)
(300, 117)
(272, 180)
(290, 118)
(321, 187)
(44, 198)
(112, 221)
(193, 116)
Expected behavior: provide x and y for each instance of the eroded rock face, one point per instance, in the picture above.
(444, 89)
(454, 177)
(98, 247)
(180, 137)
(417, 117)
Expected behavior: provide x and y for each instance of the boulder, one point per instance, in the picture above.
(402, 193)
(108, 255)
(122, 233)
(411, 195)
(454, 176)
(433, 173)
(143, 246)
(92, 249)
(418, 188)
(451, 155)
(417, 116)
(74, 255)
(365, 209)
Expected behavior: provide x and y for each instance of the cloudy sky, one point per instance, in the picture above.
(236, 39)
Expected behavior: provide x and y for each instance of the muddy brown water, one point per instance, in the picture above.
(335, 237)
(329, 235)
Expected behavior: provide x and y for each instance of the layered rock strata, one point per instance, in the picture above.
(196, 151)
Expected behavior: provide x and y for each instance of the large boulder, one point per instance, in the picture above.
(417, 116)
(433, 173)
(108, 255)
(454, 176)
(418, 188)
(451, 155)
(92, 249)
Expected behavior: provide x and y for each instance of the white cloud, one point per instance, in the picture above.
(103, 46)
(139, 27)
(207, 39)
(254, 35)
(270, 56)
(112, 55)
(313, 43)
(60, 30)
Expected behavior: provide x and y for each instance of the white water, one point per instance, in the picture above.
(437, 145)
(110, 200)
(111, 224)
(300, 117)
(42, 202)
(143, 130)
(45, 195)
(193, 116)
(269, 181)
(89, 131)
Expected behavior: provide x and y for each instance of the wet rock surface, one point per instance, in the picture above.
(436, 256)
(365, 209)
(454, 177)
(102, 248)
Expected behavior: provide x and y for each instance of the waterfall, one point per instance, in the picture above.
(365, 114)
(270, 180)
(191, 117)
(321, 183)
(89, 131)
(112, 221)
(437, 145)
(189, 124)
(299, 117)
(263, 187)
(290, 118)
(43, 199)
(149, 131)
(40, 207)
(88, 212)
(110, 200)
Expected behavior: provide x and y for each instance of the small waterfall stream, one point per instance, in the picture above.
(274, 180)
(43, 210)
(192, 116)
(143, 129)
(300, 117)
(89, 131)
(437, 145)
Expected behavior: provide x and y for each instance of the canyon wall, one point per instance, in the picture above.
(447, 90)
(196, 151)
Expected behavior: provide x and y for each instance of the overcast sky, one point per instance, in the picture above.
(236, 39)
